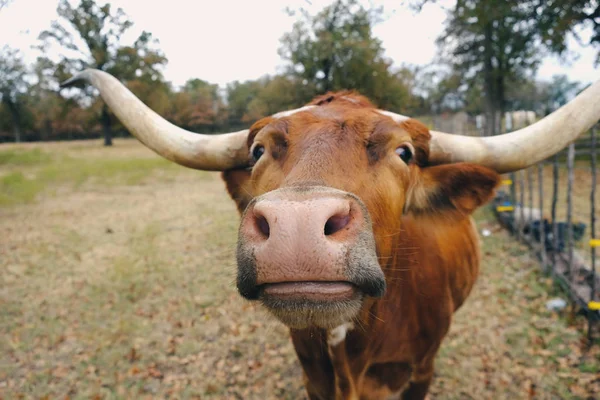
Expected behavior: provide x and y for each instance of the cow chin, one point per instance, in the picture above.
(303, 314)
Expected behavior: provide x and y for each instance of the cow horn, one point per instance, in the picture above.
(522, 148)
(193, 150)
(525, 147)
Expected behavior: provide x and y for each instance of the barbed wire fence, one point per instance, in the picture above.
(561, 233)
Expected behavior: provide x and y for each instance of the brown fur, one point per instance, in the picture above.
(426, 242)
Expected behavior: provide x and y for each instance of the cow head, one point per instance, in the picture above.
(322, 201)
(322, 189)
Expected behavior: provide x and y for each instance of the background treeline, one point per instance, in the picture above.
(488, 55)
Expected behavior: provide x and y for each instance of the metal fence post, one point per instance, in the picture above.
(521, 223)
(594, 239)
(542, 220)
(570, 179)
(554, 202)
(513, 200)
(530, 218)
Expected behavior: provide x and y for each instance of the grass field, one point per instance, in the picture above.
(117, 281)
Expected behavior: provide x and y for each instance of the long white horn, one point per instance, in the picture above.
(525, 147)
(206, 152)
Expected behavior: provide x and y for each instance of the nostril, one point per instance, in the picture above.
(263, 225)
(336, 223)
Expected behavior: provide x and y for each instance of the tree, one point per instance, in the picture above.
(543, 97)
(490, 44)
(197, 106)
(90, 36)
(336, 50)
(12, 85)
(44, 99)
(4, 3)
(557, 19)
(251, 100)
(446, 91)
(496, 47)
(239, 95)
(558, 92)
(278, 93)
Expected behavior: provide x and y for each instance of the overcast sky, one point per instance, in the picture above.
(225, 40)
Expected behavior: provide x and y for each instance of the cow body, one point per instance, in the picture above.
(426, 244)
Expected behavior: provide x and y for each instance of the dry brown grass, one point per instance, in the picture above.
(122, 286)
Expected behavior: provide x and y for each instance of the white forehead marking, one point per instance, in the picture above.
(337, 335)
(394, 116)
(290, 112)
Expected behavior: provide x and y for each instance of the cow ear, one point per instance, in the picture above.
(459, 188)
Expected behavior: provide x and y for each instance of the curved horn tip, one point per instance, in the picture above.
(77, 78)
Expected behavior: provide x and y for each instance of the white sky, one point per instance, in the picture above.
(224, 40)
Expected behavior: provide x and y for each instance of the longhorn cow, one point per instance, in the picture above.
(356, 224)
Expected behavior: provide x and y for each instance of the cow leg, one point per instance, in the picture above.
(318, 379)
(419, 382)
(345, 388)
(311, 350)
(314, 392)
(385, 381)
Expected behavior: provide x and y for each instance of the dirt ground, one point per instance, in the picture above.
(117, 281)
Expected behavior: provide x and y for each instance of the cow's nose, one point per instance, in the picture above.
(324, 216)
(297, 237)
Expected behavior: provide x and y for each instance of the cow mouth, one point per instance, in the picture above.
(314, 291)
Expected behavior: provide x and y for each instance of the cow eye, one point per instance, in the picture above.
(257, 152)
(405, 153)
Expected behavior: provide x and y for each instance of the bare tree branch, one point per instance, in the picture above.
(4, 3)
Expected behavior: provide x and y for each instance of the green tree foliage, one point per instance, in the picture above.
(44, 100)
(445, 91)
(197, 106)
(332, 50)
(13, 87)
(90, 36)
(557, 19)
(493, 50)
(336, 50)
(489, 44)
(543, 97)
(239, 95)
(278, 93)
(558, 92)
(4, 3)
(251, 100)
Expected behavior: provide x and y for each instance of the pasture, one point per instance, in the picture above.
(117, 281)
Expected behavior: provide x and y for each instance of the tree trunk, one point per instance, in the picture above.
(498, 122)
(105, 120)
(47, 130)
(328, 63)
(500, 95)
(16, 116)
(17, 131)
(488, 77)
